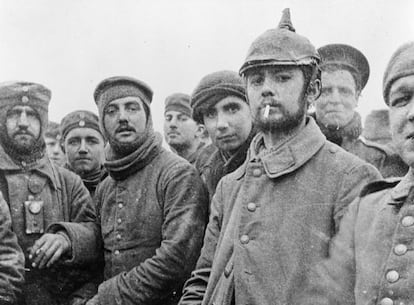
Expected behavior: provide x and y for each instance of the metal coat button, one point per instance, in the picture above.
(392, 276)
(116, 252)
(244, 239)
(119, 220)
(251, 206)
(386, 301)
(257, 172)
(400, 249)
(118, 236)
(407, 221)
(120, 205)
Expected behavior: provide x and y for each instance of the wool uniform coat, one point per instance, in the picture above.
(273, 218)
(68, 207)
(371, 259)
(152, 226)
(11, 259)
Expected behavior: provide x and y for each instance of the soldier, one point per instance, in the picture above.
(52, 212)
(370, 259)
(219, 102)
(377, 127)
(84, 144)
(273, 217)
(345, 72)
(11, 260)
(152, 206)
(182, 133)
(53, 144)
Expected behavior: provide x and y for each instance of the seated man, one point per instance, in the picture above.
(371, 259)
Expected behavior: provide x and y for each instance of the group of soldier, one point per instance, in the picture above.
(271, 193)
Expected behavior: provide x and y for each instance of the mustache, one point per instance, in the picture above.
(23, 132)
(125, 128)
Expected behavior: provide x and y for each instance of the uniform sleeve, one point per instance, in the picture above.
(82, 227)
(332, 281)
(185, 215)
(11, 259)
(353, 182)
(195, 287)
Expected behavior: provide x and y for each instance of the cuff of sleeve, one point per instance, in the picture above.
(108, 293)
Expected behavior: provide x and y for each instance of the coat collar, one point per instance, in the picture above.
(292, 154)
(43, 166)
(401, 190)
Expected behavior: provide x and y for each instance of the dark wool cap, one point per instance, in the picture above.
(178, 102)
(377, 125)
(346, 57)
(214, 87)
(25, 94)
(79, 119)
(53, 131)
(401, 64)
(118, 87)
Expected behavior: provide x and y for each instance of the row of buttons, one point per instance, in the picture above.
(393, 276)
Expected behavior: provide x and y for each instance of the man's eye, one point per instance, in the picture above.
(400, 101)
(211, 114)
(233, 108)
(256, 80)
(73, 142)
(110, 110)
(281, 78)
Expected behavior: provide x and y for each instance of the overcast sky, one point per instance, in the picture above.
(71, 45)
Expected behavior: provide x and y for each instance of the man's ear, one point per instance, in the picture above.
(201, 130)
(313, 91)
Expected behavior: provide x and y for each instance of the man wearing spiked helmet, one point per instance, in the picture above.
(274, 216)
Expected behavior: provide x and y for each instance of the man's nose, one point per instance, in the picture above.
(23, 121)
(269, 87)
(83, 148)
(222, 121)
(410, 113)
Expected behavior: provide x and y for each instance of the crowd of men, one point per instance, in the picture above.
(272, 193)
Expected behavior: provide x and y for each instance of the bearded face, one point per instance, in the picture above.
(23, 128)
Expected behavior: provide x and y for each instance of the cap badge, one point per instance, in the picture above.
(81, 123)
(25, 99)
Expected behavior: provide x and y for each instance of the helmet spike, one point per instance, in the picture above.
(285, 22)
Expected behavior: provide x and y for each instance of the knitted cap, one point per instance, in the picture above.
(53, 131)
(214, 87)
(118, 87)
(346, 57)
(178, 102)
(79, 119)
(25, 94)
(377, 126)
(400, 65)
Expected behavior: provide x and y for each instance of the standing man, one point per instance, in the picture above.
(54, 149)
(84, 145)
(52, 212)
(371, 259)
(345, 72)
(219, 102)
(182, 133)
(152, 206)
(273, 217)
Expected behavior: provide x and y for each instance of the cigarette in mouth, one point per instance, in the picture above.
(266, 112)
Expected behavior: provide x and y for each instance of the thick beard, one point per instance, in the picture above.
(29, 153)
(284, 125)
(125, 149)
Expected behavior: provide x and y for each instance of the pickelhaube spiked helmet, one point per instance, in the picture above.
(281, 46)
